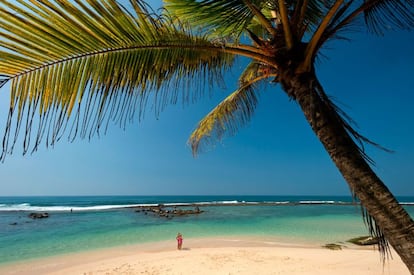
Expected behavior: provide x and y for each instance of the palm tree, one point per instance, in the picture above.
(75, 65)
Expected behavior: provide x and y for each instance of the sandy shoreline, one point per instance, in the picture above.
(215, 256)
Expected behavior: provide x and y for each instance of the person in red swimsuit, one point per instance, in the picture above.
(179, 241)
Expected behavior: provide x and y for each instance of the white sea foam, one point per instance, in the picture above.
(228, 202)
(59, 208)
(177, 203)
(316, 202)
(64, 208)
(28, 207)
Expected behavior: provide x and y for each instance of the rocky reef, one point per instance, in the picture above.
(364, 240)
(36, 215)
(168, 212)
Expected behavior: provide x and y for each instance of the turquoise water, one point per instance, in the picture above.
(99, 222)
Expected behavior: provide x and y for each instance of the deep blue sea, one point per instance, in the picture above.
(85, 223)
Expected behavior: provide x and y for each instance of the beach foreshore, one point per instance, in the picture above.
(220, 255)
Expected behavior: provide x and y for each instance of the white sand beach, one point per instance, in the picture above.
(216, 256)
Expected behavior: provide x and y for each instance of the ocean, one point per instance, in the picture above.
(92, 222)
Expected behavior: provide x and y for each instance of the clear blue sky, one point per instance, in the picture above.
(275, 154)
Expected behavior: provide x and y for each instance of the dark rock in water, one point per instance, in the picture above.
(364, 240)
(333, 246)
(13, 223)
(161, 211)
(39, 215)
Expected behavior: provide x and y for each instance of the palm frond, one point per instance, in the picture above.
(86, 62)
(379, 16)
(376, 232)
(226, 18)
(348, 124)
(304, 15)
(257, 27)
(314, 44)
(234, 111)
(382, 15)
(339, 24)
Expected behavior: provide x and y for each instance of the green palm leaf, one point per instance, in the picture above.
(94, 61)
(379, 16)
(234, 111)
(226, 18)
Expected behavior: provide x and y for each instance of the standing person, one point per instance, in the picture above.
(179, 241)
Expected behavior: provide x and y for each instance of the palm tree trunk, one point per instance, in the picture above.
(391, 218)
